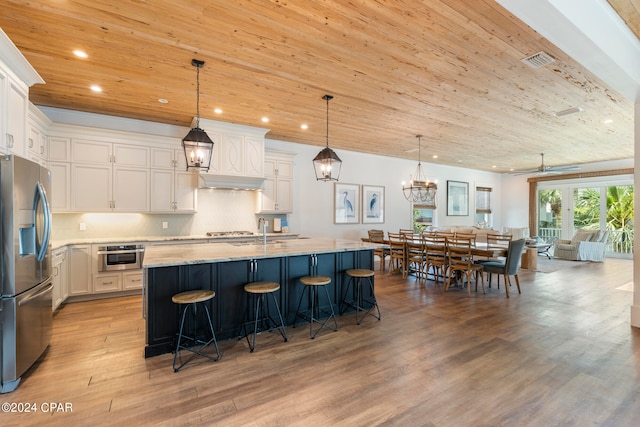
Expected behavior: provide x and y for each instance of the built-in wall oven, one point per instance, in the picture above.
(120, 257)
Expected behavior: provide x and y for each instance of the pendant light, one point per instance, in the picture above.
(197, 144)
(420, 190)
(327, 164)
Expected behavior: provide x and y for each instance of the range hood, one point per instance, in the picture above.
(230, 182)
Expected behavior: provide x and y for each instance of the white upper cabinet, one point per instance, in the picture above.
(237, 151)
(277, 192)
(16, 76)
(173, 188)
(108, 177)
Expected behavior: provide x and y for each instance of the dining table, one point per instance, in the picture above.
(480, 250)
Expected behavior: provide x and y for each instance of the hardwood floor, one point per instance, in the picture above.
(561, 353)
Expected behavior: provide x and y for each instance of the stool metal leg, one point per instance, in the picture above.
(355, 284)
(314, 312)
(261, 317)
(194, 339)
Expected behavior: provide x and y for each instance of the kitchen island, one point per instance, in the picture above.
(226, 267)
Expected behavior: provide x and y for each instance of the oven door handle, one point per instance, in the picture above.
(129, 251)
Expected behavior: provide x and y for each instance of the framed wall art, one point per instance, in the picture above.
(346, 203)
(457, 198)
(372, 204)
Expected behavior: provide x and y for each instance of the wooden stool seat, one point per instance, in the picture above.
(259, 313)
(312, 315)
(315, 280)
(261, 287)
(190, 297)
(360, 272)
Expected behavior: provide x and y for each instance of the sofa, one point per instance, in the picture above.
(585, 245)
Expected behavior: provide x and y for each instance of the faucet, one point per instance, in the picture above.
(262, 223)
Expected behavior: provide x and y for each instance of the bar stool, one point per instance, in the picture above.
(257, 297)
(192, 299)
(312, 283)
(356, 276)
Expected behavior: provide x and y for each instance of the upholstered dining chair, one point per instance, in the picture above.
(510, 265)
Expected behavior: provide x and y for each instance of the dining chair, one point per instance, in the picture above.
(510, 265)
(377, 236)
(466, 235)
(397, 253)
(436, 256)
(416, 256)
(495, 241)
(460, 263)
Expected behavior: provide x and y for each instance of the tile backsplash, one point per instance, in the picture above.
(218, 210)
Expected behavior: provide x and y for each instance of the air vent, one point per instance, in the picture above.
(538, 60)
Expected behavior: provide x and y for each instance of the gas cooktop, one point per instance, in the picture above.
(229, 233)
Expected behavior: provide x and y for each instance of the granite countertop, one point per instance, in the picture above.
(55, 244)
(164, 256)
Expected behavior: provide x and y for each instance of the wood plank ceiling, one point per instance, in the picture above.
(449, 70)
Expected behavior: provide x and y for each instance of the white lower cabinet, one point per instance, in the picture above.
(107, 282)
(80, 268)
(132, 280)
(60, 277)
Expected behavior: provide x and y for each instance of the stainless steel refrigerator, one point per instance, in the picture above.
(26, 289)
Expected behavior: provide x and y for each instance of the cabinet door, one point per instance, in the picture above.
(162, 190)
(3, 108)
(185, 194)
(232, 155)
(130, 155)
(91, 188)
(130, 189)
(17, 109)
(80, 265)
(283, 193)
(162, 158)
(254, 156)
(59, 149)
(84, 151)
(60, 186)
(56, 293)
(268, 195)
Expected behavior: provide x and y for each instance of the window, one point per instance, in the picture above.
(422, 217)
(483, 206)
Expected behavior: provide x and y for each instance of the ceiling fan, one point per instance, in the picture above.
(543, 170)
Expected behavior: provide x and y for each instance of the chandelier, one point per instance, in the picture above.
(197, 145)
(420, 190)
(327, 164)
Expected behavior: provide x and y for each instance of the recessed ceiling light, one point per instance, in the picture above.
(265, 120)
(435, 156)
(96, 88)
(163, 101)
(217, 110)
(80, 53)
(608, 121)
(304, 126)
(494, 166)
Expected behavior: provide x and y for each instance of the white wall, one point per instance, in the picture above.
(222, 210)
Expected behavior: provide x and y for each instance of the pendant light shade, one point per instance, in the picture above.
(327, 164)
(197, 144)
(420, 190)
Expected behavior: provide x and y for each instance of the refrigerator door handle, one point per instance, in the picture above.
(41, 196)
(36, 295)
